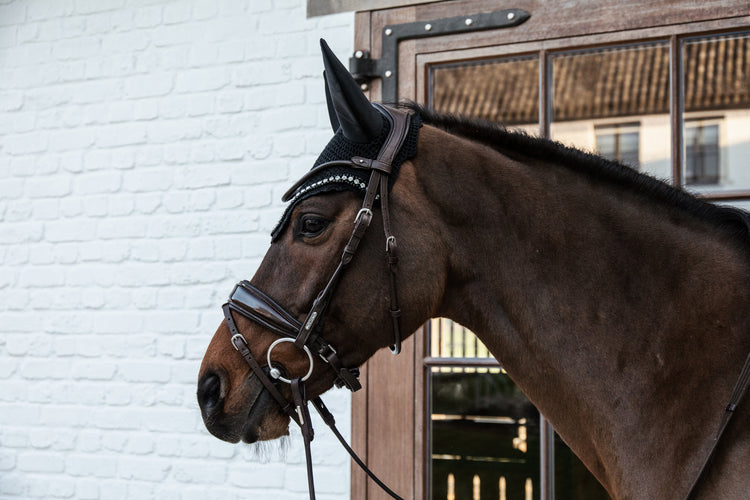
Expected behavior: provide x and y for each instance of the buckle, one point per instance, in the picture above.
(325, 351)
(240, 337)
(366, 212)
(390, 241)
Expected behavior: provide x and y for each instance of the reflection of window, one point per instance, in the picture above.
(701, 152)
(619, 142)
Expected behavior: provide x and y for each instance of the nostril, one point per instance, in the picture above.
(209, 393)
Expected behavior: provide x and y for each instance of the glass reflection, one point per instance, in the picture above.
(500, 90)
(716, 127)
(484, 432)
(615, 101)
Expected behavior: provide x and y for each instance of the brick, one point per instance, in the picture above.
(40, 462)
(42, 276)
(205, 9)
(148, 17)
(151, 85)
(93, 370)
(183, 420)
(166, 35)
(126, 134)
(19, 211)
(44, 370)
(32, 142)
(117, 322)
(91, 466)
(145, 180)
(144, 372)
(201, 80)
(50, 186)
(68, 230)
(15, 13)
(143, 469)
(200, 176)
(11, 188)
(46, 209)
(87, 489)
(199, 472)
(92, 6)
(97, 182)
(260, 73)
(259, 476)
(96, 92)
(8, 460)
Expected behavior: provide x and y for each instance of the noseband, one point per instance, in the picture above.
(255, 305)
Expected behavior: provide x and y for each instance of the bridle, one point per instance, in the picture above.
(252, 303)
(255, 305)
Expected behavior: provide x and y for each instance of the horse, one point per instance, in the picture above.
(616, 302)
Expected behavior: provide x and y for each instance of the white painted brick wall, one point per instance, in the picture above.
(144, 146)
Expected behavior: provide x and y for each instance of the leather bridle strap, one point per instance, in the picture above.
(738, 393)
(240, 344)
(380, 169)
(300, 400)
(327, 417)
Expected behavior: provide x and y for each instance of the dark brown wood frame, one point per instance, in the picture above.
(388, 416)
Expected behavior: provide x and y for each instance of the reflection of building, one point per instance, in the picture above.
(616, 101)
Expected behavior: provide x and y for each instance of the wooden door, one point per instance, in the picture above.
(663, 59)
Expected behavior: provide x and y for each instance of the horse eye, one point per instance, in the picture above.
(312, 225)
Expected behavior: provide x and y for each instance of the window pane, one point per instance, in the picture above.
(615, 100)
(448, 339)
(484, 432)
(499, 90)
(716, 131)
(484, 438)
(620, 142)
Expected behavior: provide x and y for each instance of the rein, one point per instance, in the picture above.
(253, 304)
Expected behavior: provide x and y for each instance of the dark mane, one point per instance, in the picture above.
(519, 144)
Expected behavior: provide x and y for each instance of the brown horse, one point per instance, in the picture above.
(617, 303)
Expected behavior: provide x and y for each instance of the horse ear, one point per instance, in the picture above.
(331, 111)
(359, 120)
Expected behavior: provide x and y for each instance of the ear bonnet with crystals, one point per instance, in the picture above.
(360, 130)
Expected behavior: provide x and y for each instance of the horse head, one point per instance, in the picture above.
(310, 283)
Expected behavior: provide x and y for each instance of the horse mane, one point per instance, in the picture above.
(519, 144)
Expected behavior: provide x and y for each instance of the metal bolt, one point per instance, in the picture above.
(427, 27)
(388, 74)
(364, 87)
(469, 21)
(511, 16)
(388, 32)
(359, 54)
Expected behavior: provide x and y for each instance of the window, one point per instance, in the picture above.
(701, 153)
(484, 434)
(619, 143)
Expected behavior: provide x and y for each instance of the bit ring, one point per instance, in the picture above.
(276, 373)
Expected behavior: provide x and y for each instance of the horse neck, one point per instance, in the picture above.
(620, 318)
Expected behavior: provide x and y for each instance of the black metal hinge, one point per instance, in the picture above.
(365, 69)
